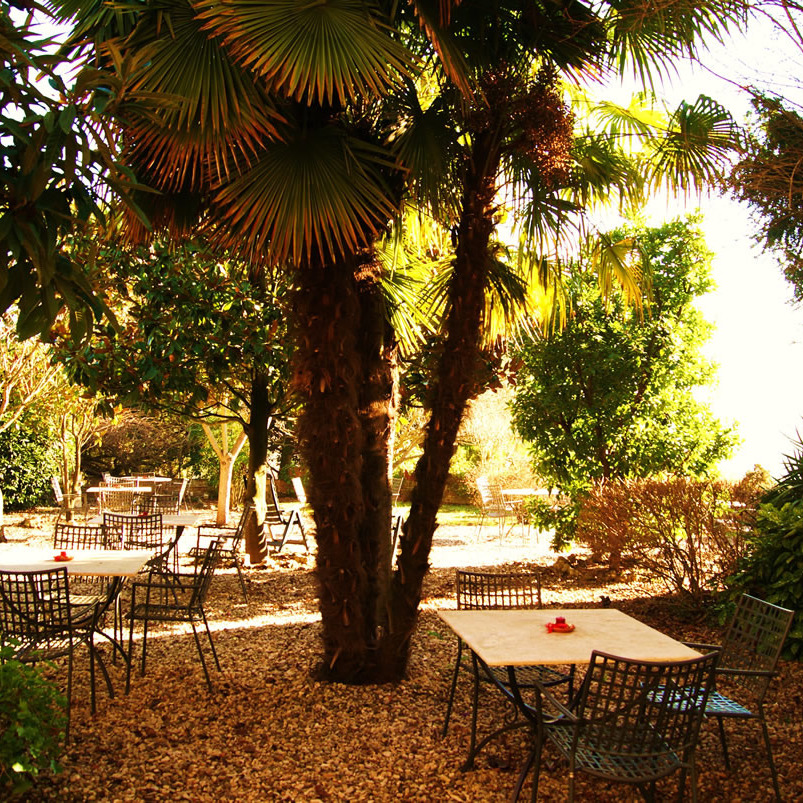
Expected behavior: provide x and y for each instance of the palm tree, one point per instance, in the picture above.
(269, 129)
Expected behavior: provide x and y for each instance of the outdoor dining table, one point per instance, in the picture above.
(117, 564)
(514, 638)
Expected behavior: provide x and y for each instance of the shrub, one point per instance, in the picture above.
(772, 567)
(32, 721)
(691, 534)
(29, 456)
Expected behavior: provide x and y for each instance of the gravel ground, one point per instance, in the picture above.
(271, 732)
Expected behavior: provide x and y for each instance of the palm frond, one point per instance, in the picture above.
(620, 262)
(319, 193)
(327, 52)
(648, 38)
(696, 148)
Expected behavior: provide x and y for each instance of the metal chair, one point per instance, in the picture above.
(229, 540)
(748, 661)
(95, 589)
(632, 722)
(131, 531)
(179, 600)
(83, 590)
(37, 613)
(494, 506)
(168, 503)
(488, 591)
(276, 517)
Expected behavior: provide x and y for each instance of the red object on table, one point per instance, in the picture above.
(62, 556)
(559, 626)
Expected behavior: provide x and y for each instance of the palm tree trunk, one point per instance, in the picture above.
(327, 377)
(458, 379)
(377, 345)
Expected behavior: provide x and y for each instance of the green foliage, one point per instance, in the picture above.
(54, 148)
(612, 394)
(29, 457)
(32, 721)
(194, 331)
(768, 178)
(772, 569)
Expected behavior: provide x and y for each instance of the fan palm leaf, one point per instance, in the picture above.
(326, 52)
(321, 193)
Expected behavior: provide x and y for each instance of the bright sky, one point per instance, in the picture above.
(758, 341)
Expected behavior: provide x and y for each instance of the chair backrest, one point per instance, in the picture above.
(273, 514)
(643, 708)
(177, 487)
(395, 487)
(80, 536)
(203, 578)
(35, 606)
(108, 479)
(167, 504)
(500, 590)
(117, 501)
(57, 492)
(754, 640)
(491, 495)
(298, 487)
(135, 532)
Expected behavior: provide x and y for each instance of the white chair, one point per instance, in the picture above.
(494, 506)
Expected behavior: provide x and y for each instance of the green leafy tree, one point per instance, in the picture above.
(612, 395)
(195, 338)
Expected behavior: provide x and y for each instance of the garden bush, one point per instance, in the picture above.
(32, 721)
(29, 456)
(772, 567)
(689, 533)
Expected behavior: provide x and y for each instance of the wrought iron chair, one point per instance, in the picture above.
(229, 540)
(83, 590)
(632, 722)
(488, 591)
(748, 661)
(141, 532)
(494, 506)
(88, 590)
(168, 503)
(37, 613)
(179, 600)
(285, 519)
(118, 499)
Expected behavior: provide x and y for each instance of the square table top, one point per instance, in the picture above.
(520, 637)
(119, 489)
(98, 562)
(168, 519)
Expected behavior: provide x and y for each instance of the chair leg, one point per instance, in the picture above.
(201, 656)
(724, 741)
(144, 642)
(240, 578)
(92, 695)
(211, 643)
(69, 696)
(769, 757)
(452, 689)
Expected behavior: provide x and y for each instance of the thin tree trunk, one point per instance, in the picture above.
(256, 542)
(327, 373)
(458, 379)
(226, 458)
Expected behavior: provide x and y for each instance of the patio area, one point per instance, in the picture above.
(271, 732)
